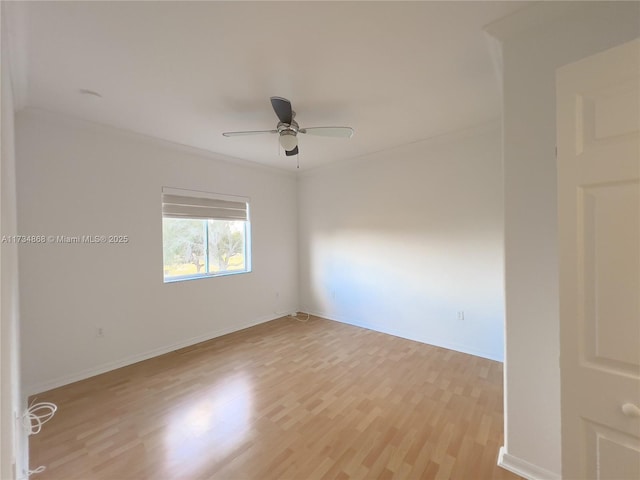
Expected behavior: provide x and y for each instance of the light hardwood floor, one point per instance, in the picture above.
(282, 400)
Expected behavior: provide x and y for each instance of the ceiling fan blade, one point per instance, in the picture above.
(254, 132)
(290, 153)
(283, 110)
(344, 132)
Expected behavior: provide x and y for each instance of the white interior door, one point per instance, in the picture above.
(598, 127)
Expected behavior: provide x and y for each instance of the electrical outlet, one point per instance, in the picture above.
(461, 315)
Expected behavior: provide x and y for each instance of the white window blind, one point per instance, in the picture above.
(178, 203)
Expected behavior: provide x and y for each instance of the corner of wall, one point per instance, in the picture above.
(13, 438)
(523, 468)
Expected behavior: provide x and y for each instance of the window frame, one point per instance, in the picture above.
(247, 233)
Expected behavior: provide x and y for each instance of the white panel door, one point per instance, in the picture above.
(598, 127)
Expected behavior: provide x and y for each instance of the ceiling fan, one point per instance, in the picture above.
(288, 129)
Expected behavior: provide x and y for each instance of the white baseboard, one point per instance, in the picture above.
(402, 334)
(523, 468)
(107, 367)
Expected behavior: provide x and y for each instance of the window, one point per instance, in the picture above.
(204, 234)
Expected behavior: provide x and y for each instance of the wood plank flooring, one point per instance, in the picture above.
(282, 400)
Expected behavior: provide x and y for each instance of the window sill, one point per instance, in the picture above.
(206, 275)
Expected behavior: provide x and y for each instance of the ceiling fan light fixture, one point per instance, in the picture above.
(288, 140)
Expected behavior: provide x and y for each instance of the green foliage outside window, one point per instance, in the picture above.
(199, 247)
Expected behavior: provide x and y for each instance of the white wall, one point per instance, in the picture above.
(400, 241)
(77, 178)
(13, 439)
(534, 44)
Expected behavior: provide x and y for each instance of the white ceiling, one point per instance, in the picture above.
(185, 72)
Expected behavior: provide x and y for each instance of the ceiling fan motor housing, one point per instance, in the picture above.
(290, 127)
